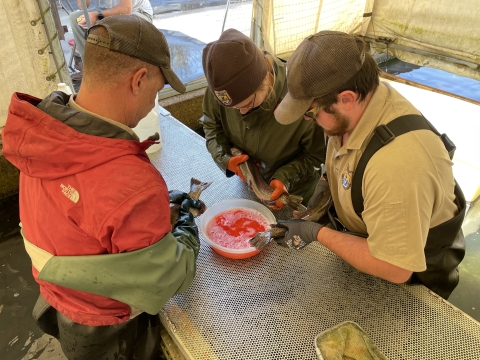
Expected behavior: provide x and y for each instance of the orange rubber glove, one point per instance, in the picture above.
(279, 189)
(233, 165)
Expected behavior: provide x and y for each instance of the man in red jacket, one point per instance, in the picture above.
(95, 213)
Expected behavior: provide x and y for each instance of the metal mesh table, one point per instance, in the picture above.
(273, 305)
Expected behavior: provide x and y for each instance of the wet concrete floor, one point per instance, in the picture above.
(466, 295)
(18, 289)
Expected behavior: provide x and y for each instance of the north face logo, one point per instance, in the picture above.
(70, 193)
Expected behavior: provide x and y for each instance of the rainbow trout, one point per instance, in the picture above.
(262, 190)
(314, 214)
(196, 188)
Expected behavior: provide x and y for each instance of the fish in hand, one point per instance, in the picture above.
(319, 210)
(261, 189)
(314, 214)
(196, 188)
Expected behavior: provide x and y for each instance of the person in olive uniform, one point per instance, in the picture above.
(245, 85)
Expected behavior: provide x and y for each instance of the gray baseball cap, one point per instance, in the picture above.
(321, 64)
(134, 36)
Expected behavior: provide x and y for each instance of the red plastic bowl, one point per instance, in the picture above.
(226, 205)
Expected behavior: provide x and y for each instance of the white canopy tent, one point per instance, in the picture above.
(284, 24)
(436, 33)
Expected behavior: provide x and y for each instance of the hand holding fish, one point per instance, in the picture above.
(262, 190)
(313, 214)
(180, 205)
(184, 200)
(181, 202)
(299, 233)
(279, 189)
(233, 165)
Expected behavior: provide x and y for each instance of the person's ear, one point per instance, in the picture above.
(137, 80)
(347, 99)
(265, 79)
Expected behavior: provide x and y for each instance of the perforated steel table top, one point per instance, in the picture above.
(272, 305)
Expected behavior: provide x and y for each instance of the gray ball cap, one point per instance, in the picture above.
(134, 36)
(321, 64)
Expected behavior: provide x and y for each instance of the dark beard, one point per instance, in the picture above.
(342, 123)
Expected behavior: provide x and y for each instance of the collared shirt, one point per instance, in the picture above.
(77, 107)
(407, 186)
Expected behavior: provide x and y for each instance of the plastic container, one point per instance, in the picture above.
(226, 205)
(346, 341)
(148, 126)
(65, 88)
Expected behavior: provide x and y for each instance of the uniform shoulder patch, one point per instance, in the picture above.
(223, 96)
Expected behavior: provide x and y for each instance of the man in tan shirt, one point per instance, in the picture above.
(408, 229)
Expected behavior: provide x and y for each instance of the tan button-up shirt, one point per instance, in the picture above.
(408, 185)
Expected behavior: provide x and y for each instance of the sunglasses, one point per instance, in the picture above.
(312, 113)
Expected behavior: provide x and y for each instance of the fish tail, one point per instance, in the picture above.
(196, 188)
(198, 185)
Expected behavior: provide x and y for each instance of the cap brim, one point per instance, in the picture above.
(291, 110)
(173, 80)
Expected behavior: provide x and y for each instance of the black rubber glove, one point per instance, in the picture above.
(184, 200)
(299, 233)
(317, 194)
(185, 230)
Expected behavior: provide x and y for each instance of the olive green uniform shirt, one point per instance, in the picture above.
(290, 153)
(408, 185)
